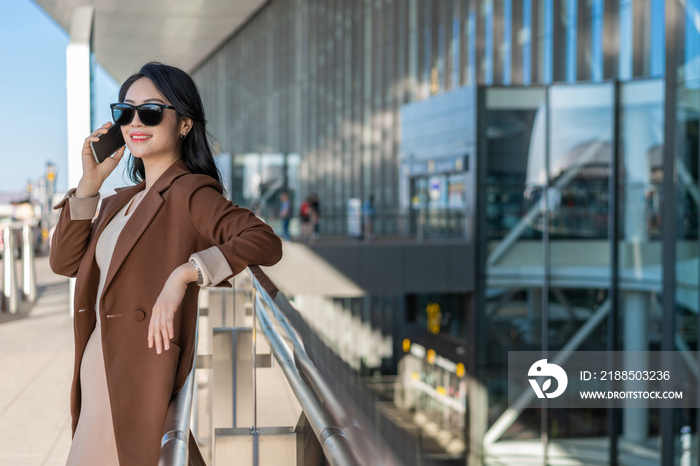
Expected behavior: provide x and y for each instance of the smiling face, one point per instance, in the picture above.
(161, 140)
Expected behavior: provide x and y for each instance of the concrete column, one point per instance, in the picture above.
(78, 87)
(635, 308)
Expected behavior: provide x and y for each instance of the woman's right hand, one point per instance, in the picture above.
(94, 174)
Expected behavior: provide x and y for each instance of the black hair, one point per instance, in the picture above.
(182, 92)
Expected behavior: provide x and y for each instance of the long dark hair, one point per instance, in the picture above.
(182, 92)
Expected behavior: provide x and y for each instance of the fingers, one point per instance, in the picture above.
(164, 335)
(169, 327)
(154, 334)
(161, 330)
(118, 155)
(94, 136)
(157, 339)
(102, 129)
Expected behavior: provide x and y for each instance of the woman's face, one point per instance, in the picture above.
(161, 140)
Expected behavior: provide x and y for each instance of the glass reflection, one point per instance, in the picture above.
(686, 244)
(579, 168)
(639, 242)
(260, 179)
(511, 320)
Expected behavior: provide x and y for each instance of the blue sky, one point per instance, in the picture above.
(33, 98)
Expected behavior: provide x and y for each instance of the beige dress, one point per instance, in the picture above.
(94, 442)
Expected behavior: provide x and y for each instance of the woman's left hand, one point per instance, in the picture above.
(161, 327)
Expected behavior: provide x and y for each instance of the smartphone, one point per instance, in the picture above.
(108, 143)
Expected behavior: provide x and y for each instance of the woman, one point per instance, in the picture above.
(140, 263)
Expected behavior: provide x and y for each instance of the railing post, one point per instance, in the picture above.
(254, 430)
(29, 270)
(10, 280)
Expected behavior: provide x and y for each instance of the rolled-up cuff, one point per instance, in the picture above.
(214, 266)
(83, 208)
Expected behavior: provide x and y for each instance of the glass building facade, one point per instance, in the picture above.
(559, 138)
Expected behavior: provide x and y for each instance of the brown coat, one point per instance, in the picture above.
(181, 214)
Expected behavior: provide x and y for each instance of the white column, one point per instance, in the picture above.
(635, 425)
(78, 87)
(639, 135)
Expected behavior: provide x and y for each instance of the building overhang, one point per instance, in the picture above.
(130, 33)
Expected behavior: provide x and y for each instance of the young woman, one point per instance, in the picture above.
(140, 264)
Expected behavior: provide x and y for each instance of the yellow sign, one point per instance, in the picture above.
(430, 356)
(434, 317)
(460, 370)
(406, 345)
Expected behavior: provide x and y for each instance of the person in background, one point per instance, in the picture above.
(368, 217)
(315, 214)
(305, 215)
(285, 214)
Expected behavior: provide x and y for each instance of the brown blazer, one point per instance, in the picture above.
(182, 213)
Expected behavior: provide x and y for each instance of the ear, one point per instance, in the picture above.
(185, 125)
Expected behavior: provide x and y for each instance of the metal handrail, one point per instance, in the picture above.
(11, 294)
(174, 446)
(332, 438)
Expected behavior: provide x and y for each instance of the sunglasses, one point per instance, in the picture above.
(150, 114)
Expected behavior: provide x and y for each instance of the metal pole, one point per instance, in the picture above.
(29, 270)
(668, 218)
(254, 430)
(544, 425)
(223, 306)
(614, 414)
(332, 438)
(174, 445)
(10, 280)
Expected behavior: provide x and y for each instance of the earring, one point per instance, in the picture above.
(183, 135)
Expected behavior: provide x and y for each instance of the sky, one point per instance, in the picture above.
(33, 98)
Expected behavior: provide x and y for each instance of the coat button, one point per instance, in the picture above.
(139, 315)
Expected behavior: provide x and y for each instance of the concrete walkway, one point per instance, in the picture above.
(36, 367)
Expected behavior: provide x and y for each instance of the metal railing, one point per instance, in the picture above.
(346, 435)
(11, 293)
(359, 431)
(309, 390)
(174, 446)
(418, 224)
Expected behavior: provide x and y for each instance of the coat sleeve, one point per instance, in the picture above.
(237, 236)
(72, 232)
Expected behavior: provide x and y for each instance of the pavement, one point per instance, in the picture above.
(36, 368)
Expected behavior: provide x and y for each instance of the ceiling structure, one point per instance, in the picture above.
(182, 33)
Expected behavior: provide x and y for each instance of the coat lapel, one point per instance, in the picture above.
(141, 217)
(108, 208)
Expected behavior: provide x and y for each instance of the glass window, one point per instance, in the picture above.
(525, 39)
(514, 158)
(639, 244)
(686, 244)
(488, 42)
(580, 155)
(625, 40)
(507, 41)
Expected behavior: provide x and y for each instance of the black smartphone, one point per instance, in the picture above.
(108, 143)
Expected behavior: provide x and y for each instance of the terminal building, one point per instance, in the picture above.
(533, 167)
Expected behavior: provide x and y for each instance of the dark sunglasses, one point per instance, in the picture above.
(150, 114)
